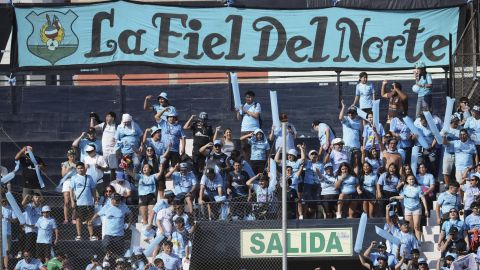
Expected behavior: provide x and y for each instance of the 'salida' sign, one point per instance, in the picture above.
(119, 32)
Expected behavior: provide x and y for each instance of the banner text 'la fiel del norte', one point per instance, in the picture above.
(336, 38)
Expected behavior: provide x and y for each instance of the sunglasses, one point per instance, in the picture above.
(109, 191)
(314, 154)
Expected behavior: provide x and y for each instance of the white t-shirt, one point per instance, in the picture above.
(121, 189)
(92, 170)
(108, 137)
(165, 217)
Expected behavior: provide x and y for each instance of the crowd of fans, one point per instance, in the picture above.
(115, 165)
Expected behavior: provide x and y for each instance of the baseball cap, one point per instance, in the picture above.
(89, 148)
(381, 257)
(328, 165)
(120, 175)
(46, 208)
(154, 129)
(454, 118)
(292, 152)
(352, 110)
(172, 114)
(422, 261)
(203, 115)
(217, 142)
(476, 108)
(312, 151)
(381, 245)
(257, 131)
(168, 193)
(183, 165)
(163, 95)
(94, 258)
(337, 141)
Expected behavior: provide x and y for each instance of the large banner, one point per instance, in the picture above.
(330, 38)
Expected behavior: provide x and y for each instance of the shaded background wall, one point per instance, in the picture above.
(59, 113)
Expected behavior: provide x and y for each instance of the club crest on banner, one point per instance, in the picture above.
(52, 38)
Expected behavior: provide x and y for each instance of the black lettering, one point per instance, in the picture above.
(355, 41)
(165, 32)
(390, 40)
(95, 50)
(265, 38)
(235, 37)
(293, 46)
(433, 44)
(412, 39)
(211, 41)
(319, 42)
(193, 38)
(366, 49)
(123, 42)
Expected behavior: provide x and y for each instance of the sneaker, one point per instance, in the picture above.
(93, 238)
(300, 217)
(339, 215)
(19, 255)
(78, 238)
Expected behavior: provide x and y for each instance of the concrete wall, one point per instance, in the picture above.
(59, 113)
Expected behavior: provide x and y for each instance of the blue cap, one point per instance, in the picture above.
(120, 175)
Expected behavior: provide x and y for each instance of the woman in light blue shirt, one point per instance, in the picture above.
(368, 180)
(147, 190)
(349, 187)
(259, 149)
(329, 193)
(388, 183)
(426, 181)
(412, 197)
(372, 157)
(422, 87)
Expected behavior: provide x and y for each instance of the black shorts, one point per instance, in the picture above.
(149, 199)
(43, 251)
(331, 204)
(85, 212)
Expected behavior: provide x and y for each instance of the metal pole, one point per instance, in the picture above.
(340, 93)
(284, 193)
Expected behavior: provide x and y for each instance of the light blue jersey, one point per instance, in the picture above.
(411, 197)
(45, 226)
(146, 184)
(351, 131)
(365, 92)
(115, 219)
(83, 186)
